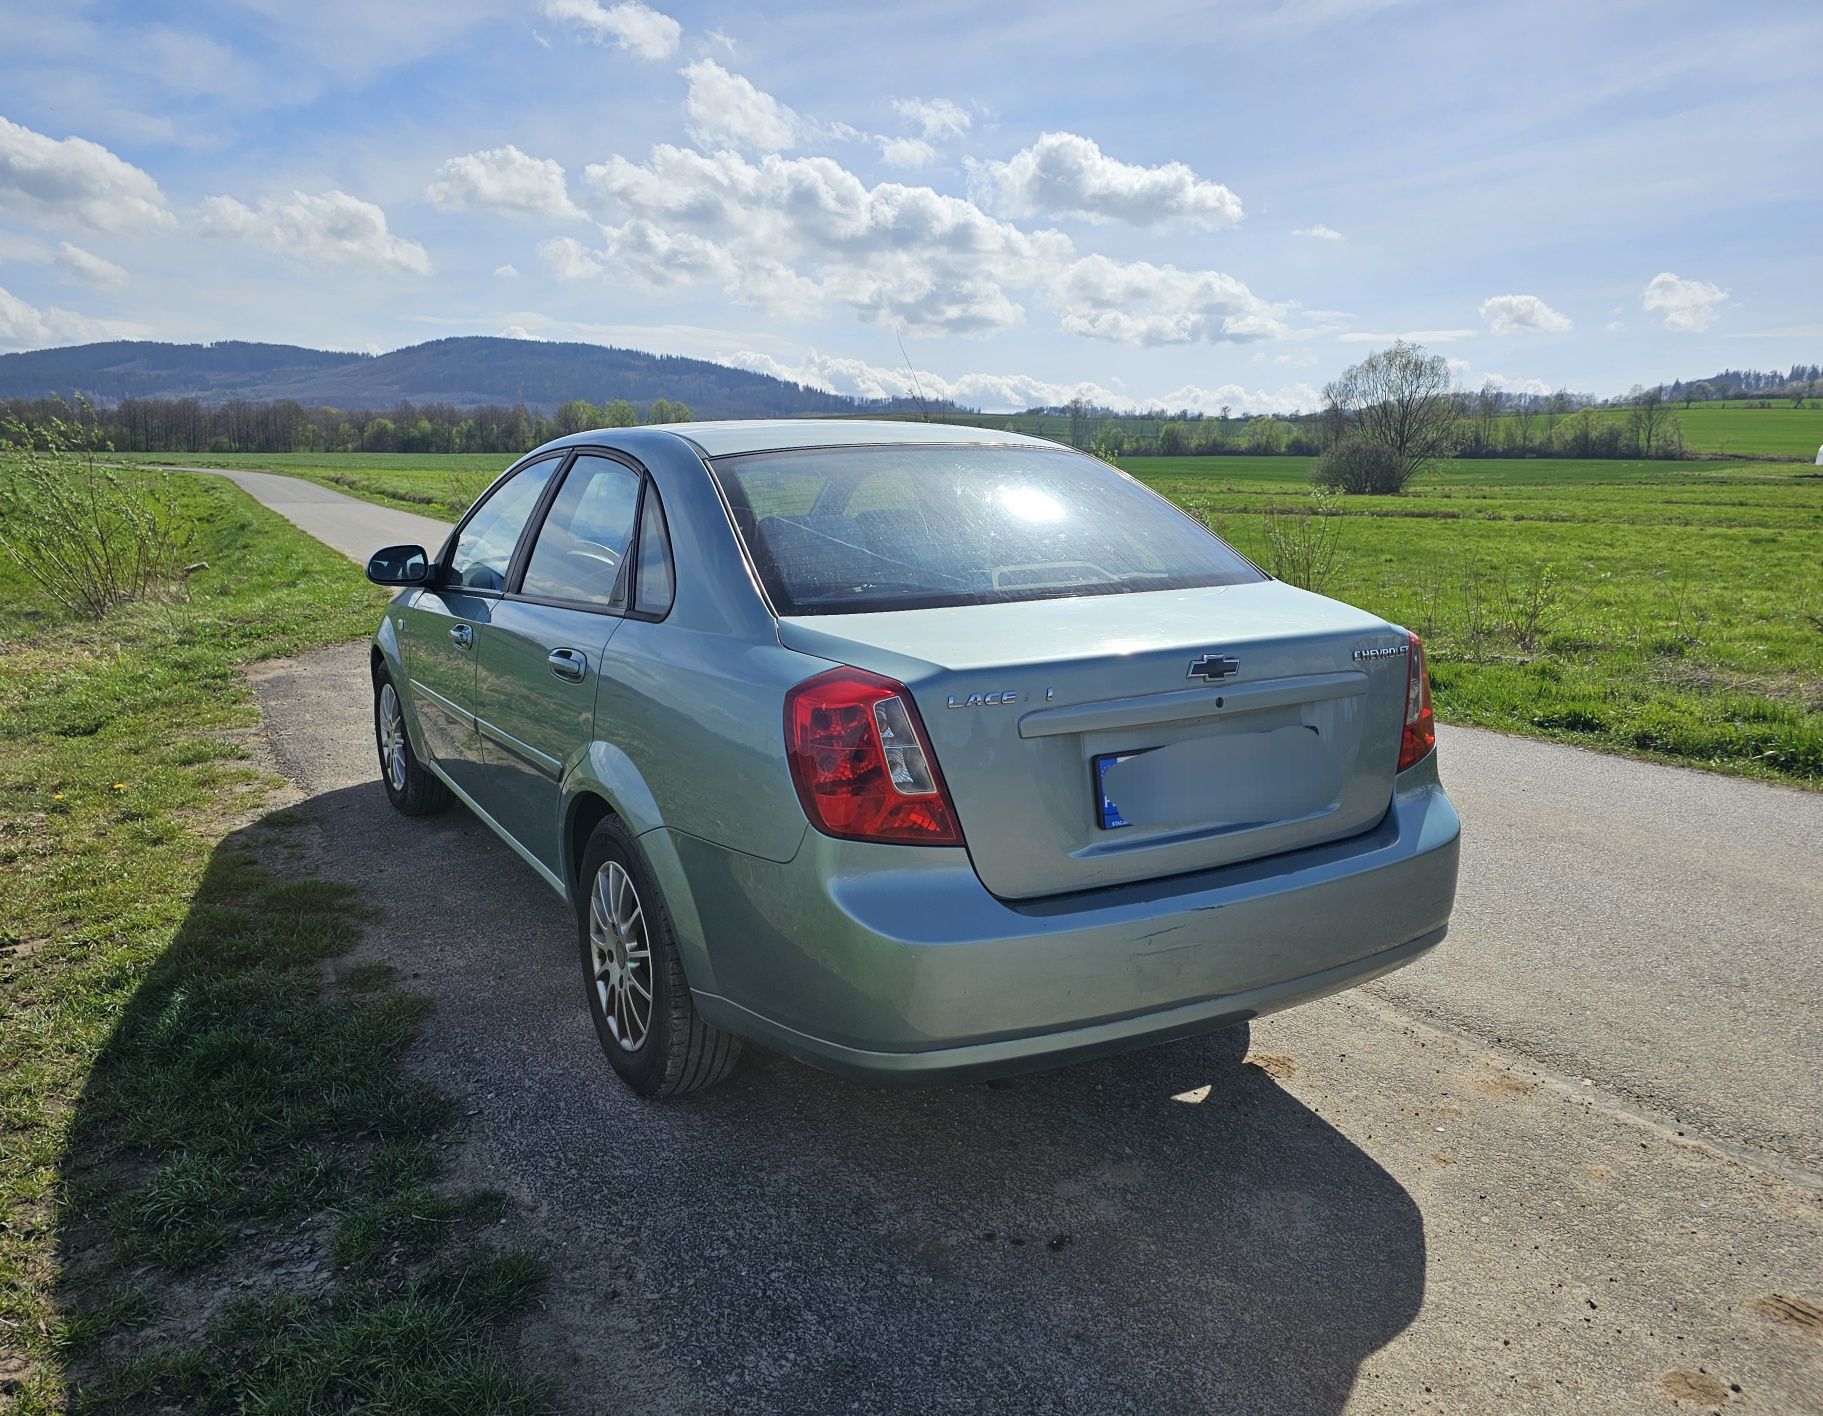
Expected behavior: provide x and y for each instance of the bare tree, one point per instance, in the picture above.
(1645, 419)
(1523, 413)
(1399, 400)
(1696, 391)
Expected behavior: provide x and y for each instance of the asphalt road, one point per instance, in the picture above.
(1569, 1162)
(354, 527)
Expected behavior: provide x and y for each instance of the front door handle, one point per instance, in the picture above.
(568, 664)
(463, 636)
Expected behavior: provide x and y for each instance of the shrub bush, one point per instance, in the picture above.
(1359, 466)
(1302, 544)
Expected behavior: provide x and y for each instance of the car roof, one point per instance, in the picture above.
(723, 439)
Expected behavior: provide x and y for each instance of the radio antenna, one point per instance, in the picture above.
(917, 387)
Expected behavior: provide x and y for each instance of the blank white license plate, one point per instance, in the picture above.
(1229, 779)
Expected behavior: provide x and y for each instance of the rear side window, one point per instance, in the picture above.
(484, 550)
(844, 530)
(657, 585)
(586, 534)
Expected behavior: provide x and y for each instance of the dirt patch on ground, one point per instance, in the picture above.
(1503, 1084)
(1275, 1065)
(1693, 1388)
(1793, 1312)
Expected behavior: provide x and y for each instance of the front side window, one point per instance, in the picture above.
(844, 530)
(584, 538)
(484, 550)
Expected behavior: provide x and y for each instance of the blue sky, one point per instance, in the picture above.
(1195, 205)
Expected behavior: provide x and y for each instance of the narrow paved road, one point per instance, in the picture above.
(1569, 1162)
(354, 527)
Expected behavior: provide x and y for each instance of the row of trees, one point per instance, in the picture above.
(1800, 381)
(1485, 424)
(187, 425)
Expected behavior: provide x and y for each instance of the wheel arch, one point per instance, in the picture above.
(607, 784)
(384, 654)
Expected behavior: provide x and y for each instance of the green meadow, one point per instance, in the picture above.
(1735, 428)
(1668, 609)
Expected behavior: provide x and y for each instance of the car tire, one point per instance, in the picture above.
(657, 1044)
(410, 786)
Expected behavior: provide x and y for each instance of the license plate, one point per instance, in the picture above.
(1217, 783)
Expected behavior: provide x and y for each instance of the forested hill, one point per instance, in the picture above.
(467, 372)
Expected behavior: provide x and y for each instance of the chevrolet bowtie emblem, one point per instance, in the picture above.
(1211, 667)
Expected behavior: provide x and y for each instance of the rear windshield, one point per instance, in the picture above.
(845, 530)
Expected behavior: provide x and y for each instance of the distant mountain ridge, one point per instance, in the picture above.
(467, 371)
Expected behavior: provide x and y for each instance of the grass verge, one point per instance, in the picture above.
(220, 1187)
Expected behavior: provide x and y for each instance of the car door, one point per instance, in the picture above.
(543, 648)
(448, 619)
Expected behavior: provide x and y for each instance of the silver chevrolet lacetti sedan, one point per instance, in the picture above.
(916, 752)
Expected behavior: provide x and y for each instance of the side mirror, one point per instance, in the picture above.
(399, 565)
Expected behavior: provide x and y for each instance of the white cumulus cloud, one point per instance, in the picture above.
(1522, 314)
(503, 179)
(794, 235)
(25, 326)
(1319, 232)
(1002, 393)
(798, 233)
(1064, 175)
(1687, 306)
(73, 179)
(935, 118)
(88, 267)
(724, 110)
(906, 152)
(1137, 302)
(333, 228)
(859, 379)
(636, 28)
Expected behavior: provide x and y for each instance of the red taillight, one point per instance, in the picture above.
(1420, 727)
(859, 761)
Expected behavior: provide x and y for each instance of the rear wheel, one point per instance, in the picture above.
(410, 786)
(637, 995)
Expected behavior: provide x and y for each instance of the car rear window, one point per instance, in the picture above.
(846, 530)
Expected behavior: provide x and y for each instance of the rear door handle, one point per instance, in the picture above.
(568, 664)
(463, 636)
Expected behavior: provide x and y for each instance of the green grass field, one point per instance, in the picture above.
(1733, 428)
(1738, 429)
(191, 1093)
(1669, 609)
(1672, 609)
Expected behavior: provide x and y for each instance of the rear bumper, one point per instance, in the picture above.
(894, 963)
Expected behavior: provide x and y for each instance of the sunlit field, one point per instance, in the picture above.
(1740, 428)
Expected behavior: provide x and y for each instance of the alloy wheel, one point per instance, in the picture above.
(621, 955)
(392, 738)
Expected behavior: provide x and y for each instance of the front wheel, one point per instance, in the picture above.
(637, 994)
(410, 786)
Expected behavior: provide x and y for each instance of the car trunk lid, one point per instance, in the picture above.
(1100, 740)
